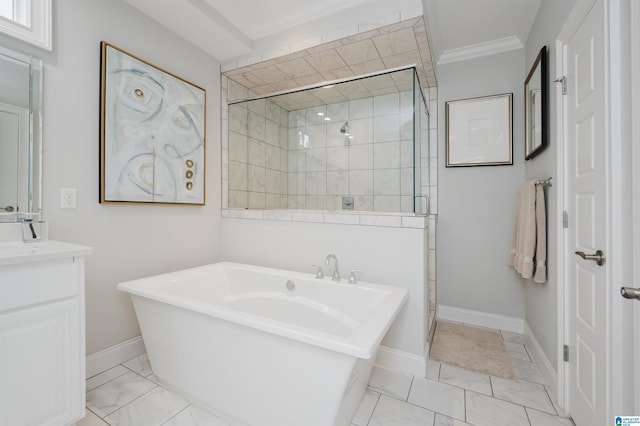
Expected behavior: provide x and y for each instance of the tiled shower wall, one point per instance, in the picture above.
(301, 160)
(257, 155)
(239, 192)
(374, 165)
(429, 152)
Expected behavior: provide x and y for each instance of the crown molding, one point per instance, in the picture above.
(481, 49)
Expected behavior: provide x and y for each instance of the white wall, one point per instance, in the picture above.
(134, 240)
(393, 256)
(541, 299)
(476, 204)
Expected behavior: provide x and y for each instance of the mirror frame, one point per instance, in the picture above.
(536, 109)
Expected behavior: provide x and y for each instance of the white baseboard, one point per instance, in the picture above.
(549, 372)
(405, 362)
(482, 319)
(108, 358)
(105, 359)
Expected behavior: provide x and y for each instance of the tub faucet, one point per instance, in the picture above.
(336, 271)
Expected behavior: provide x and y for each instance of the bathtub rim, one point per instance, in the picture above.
(363, 343)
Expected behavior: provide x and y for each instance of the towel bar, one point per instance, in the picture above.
(545, 182)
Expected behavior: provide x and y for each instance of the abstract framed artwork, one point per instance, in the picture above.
(479, 131)
(152, 133)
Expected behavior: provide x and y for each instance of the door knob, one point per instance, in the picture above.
(630, 293)
(597, 257)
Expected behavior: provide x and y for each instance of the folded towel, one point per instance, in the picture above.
(541, 237)
(528, 240)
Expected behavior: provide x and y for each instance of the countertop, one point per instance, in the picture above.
(17, 252)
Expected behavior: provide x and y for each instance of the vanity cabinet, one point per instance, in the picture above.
(42, 338)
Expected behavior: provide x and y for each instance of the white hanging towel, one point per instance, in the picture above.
(528, 252)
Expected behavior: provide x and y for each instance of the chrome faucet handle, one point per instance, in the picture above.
(352, 276)
(319, 273)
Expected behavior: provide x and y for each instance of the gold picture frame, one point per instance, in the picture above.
(152, 133)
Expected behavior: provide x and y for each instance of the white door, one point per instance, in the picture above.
(14, 138)
(587, 209)
(9, 135)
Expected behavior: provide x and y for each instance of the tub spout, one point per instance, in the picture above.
(336, 270)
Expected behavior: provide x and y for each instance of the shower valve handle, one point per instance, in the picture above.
(319, 273)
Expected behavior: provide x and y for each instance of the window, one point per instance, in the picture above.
(27, 20)
(17, 11)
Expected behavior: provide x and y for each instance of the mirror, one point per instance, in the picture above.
(20, 136)
(535, 107)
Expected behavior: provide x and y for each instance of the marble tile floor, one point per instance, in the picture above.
(129, 394)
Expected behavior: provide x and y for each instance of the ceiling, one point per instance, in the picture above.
(403, 44)
(460, 29)
(401, 81)
(228, 29)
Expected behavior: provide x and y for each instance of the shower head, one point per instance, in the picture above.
(345, 128)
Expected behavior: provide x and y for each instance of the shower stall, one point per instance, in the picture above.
(357, 145)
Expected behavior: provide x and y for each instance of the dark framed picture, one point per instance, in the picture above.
(536, 131)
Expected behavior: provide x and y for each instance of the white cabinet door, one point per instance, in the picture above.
(39, 374)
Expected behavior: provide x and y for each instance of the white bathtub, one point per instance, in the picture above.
(234, 338)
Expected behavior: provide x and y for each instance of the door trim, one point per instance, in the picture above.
(561, 277)
(620, 174)
(635, 135)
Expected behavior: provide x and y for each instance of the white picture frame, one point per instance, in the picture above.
(479, 131)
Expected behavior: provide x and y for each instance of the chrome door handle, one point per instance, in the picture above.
(597, 257)
(630, 293)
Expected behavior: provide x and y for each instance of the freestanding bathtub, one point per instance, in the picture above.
(262, 346)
